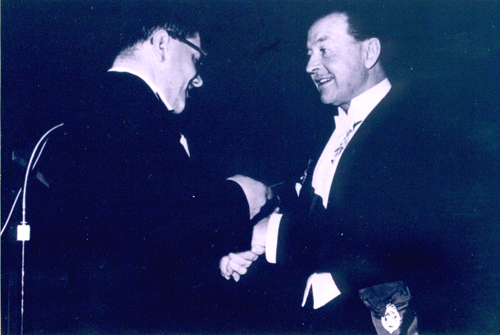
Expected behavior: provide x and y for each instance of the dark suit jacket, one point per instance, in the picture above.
(149, 225)
(397, 208)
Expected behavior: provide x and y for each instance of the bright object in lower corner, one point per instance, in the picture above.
(23, 232)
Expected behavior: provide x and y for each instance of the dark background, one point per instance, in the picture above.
(258, 112)
(257, 101)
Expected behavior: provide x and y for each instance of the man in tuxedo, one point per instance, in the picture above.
(149, 224)
(375, 221)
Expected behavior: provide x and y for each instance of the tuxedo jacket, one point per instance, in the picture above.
(148, 224)
(397, 208)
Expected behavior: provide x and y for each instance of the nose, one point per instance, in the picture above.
(312, 64)
(197, 81)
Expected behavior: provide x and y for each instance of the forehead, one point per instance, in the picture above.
(333, 27)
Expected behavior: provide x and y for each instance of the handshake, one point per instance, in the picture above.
(236, 264)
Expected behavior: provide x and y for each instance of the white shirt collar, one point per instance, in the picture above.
(153, 87)
(362, 105)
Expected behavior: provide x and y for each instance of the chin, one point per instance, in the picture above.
(327, 100)
(331, 99)
(178, 110)
(179, 107)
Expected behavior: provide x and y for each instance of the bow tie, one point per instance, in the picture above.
(342, 122)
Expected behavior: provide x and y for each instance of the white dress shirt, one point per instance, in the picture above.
(158, 93)
(346, 125)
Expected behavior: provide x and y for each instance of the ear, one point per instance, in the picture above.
(372, 52)
(161, 44)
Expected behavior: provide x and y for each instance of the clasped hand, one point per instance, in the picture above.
(236, 264)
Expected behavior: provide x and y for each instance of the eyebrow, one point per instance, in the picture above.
(319, 40)
(322, 39)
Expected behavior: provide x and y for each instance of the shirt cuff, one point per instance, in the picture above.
(272, 237)
(323, 288)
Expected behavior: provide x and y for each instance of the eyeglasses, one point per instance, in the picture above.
(184, 40)
(197, 61)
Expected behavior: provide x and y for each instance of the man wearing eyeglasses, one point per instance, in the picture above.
(156, 222)
(167, 61)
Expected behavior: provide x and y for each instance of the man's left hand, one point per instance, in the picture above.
(236, 264)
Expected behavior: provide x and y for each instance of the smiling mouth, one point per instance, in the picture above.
(322, 81)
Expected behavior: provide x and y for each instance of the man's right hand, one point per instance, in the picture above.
(257, 193)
